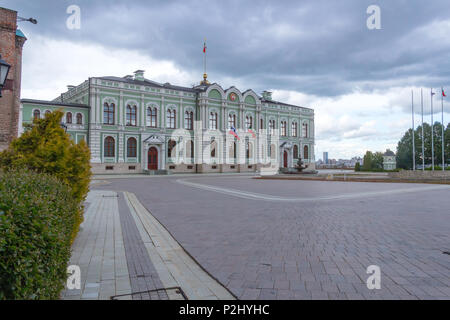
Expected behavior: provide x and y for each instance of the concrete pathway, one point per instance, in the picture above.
(124, 253)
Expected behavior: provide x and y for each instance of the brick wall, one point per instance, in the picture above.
(11, 51)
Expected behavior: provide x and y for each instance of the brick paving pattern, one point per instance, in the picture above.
(142, 273)
(312, 250)
(99, 251)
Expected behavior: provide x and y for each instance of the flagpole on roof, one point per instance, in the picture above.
(413, 142)
(432, 132)
(205, 75)
(423, 143)
(443, 137)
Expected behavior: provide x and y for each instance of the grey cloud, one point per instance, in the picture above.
(316, 47)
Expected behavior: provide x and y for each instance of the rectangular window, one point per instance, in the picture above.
(213, 121)
(171, 119)
(151, 117)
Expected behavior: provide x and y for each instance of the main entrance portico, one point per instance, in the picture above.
(286, 155)
(154, 152)
(152, 159)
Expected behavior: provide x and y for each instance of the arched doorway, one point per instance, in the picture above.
(152, 159)
(285, 159)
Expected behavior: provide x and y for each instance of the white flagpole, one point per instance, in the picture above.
(432, 132)
(443, 137)
(413, 142)
(423, 143)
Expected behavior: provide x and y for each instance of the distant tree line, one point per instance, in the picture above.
(405, 150)
(371, 162)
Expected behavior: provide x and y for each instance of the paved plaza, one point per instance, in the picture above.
(272, 239)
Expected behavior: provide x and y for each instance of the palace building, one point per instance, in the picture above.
(135, 125)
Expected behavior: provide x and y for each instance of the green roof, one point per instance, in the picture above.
(20, 34)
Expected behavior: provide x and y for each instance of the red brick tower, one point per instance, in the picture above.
(11, 43)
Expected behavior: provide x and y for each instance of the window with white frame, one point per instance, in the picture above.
(189, 120)
(305, 130)
(248, 122)
(171, 118)
(294, 129)
(272, 127)
(79, 118)
(283, 129)
(151, 117)
(69, 117)
(108, 113)
(131, 115)
(231, 120)
(213, 120)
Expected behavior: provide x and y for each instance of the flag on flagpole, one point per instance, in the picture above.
(204, 47)
(443, 93)
(233, 132)
(253, 134)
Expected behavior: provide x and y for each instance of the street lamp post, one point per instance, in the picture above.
(63, 126)
(4, 70)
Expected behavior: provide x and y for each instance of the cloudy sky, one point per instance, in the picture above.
(318, 54)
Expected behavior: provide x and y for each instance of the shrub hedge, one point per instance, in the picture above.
(47, 148)
(38, 214)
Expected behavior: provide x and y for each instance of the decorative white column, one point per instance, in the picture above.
(163, 156)
(120, 109)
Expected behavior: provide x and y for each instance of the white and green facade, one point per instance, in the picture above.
(135, 125)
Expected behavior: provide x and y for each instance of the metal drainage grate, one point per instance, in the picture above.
(175, 293)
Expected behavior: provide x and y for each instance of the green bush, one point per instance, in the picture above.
(47, 148)
(357, 167)
(38, 214)
(437, 168)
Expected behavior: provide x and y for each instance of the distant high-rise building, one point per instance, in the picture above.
(325, 157)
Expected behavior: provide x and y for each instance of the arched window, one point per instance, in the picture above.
(47, 112)
(283, 129)
(108, 113)
(189, 120)
(189, 149)
(213, 121)
(305, 130)
(131, 147)
(305, 152)
(248, 150)
(69, 117)
(171, 118)
(248, 122)
(294, 129)
(79, 118)
(131, 115)
(36, 114)
(213, 148)
(272, 127)
(109, 147)
(151, 117)
(295, 151)
(171, 148)
(231, 121)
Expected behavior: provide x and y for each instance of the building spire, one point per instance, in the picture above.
(205, 75)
